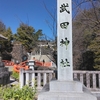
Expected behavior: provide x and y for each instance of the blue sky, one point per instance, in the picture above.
(31, 12)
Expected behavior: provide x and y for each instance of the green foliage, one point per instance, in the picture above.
(15, 75)
(27, 36)
(6, 45)
(2, 27)
(95, 47)
(87, 61)
(16, 93)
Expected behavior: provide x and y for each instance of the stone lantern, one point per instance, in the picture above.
(4, 73)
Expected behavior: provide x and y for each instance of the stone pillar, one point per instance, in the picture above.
(27, 78)
(21, 78)
(65, 88)
(33, 80)
(64, 40)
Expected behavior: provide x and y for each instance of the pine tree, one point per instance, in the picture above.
(27, 36)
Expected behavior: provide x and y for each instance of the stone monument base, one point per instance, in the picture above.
(65, 96)
(65, 90)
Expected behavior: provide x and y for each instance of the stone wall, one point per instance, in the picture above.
(17, 52)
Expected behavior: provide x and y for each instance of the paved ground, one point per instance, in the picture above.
(97, 94)
(98, 98)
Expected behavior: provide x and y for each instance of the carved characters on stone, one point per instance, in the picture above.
(64, 8)
(64, 42)
(64, 25)
(64, 63)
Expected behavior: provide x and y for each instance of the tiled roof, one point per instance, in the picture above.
(2, 37)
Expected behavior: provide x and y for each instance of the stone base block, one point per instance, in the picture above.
(65, 86)
(65, 96)
(66, 90)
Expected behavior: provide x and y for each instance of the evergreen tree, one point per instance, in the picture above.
(2, 27)
(27, 36)
(6, 45)
(95, 47)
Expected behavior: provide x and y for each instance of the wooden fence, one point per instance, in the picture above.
(91, 79)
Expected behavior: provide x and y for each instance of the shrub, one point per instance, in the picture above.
(15, 75)
(17, 93)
